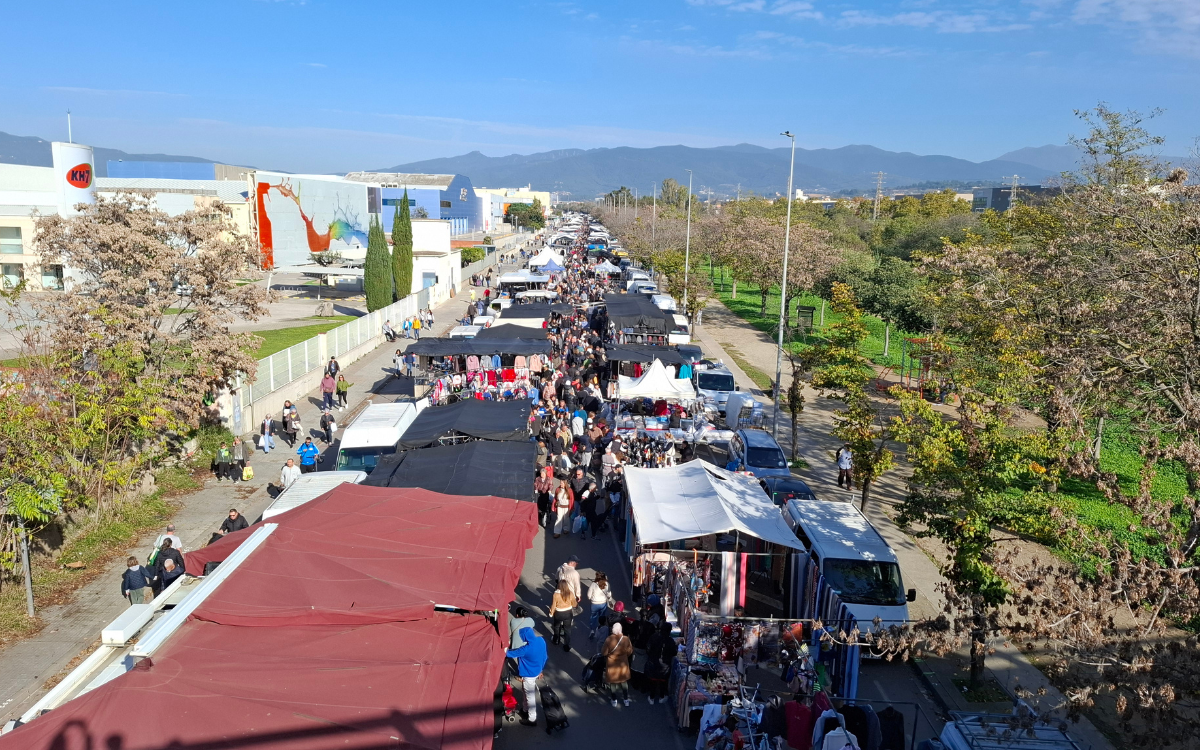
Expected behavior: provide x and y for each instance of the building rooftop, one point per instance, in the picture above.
(230, 191)
(402, 179)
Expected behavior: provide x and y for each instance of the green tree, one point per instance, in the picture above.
(842, 371)
(527, 214)
(402, 250)
(377, 272)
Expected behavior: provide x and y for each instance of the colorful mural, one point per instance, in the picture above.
(302, 215)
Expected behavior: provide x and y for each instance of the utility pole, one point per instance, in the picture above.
(687, 245)
(1012, 193)
(635, 197)
(654, 218)
(69, 140)
(878, 195)
(783, 300)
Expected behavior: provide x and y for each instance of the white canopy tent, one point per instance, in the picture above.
(545, 257)
(606, 268)
(696, 498)
(656, 383)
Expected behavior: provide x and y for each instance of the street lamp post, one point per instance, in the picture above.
(787, 235)
(687, 245)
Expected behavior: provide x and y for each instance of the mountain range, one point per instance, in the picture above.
(723, 171)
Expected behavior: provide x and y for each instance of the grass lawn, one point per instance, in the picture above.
(748, 303)
(278, 339)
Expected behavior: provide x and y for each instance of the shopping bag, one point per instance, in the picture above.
(247, 473)
(579, 524)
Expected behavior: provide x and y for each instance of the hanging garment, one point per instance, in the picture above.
(891, 729)
(713, 716)
(519, 361)
(824, 723)
(496, 362)
(840, 739)
(856, 720)
(874, 737)
(799, 725)
(535, 363)
(472, 362)
(508, 374)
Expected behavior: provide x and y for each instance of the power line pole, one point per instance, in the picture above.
(635, 197)
(687, 245)
(654, 218)
(1012, 193)
(878, 195)
(783, 300)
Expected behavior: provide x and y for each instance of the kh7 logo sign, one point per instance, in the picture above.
(80, 176)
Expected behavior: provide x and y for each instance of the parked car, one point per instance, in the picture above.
(757, 452)
(783, 489)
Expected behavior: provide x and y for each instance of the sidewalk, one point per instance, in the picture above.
(72, 630)
(722, 329)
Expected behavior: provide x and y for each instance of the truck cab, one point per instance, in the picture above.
(713, 383)
(376, 432)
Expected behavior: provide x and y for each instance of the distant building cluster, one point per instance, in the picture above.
(292, 216)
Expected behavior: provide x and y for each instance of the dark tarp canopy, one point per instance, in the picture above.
(511, 331)
(455, 347)
(669, 355)
(503, 469)
(637, 311)
(472, 418)
(528, 310)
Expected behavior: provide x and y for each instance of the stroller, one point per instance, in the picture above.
(593, 673)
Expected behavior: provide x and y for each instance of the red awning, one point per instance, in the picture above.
(360, 555)
(423, 684)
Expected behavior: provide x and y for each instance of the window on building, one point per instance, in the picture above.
(52, 277)
(10, 240)
(462, 194)
(412, 202)
(11, 275)
(446, 204)
(428, 279)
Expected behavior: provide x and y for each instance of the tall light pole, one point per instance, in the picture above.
(783, 305)
(687, 245)
(635, 204)
(654, 218)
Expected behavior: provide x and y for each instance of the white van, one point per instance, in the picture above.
(464, 332)
(375, 433)
(309, 487)
(682, 333)
(665, 302)
(855, 559)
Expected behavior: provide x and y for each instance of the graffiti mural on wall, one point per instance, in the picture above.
(299, 216)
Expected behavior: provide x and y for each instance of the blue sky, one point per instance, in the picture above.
(318, 85)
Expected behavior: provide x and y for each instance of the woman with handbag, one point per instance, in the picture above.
(617, 651)
(599, 596)
(562, 614)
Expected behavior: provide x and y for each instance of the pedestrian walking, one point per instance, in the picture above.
(266, 432)
(224, 457)
(235, 521)
(294, 427)
(168, 565)
(342, 389)
(170, 534)
(328, 426)
(408, 328)
(519, 620)
(617, 650)
(562, 613)
(410, 361)
(289, 474)
(562, 508)
(308, 456)
(587, 506)
(398, 362)
(531, 660)
(845, 465)
(328, 386)
(599, 596)
(135, 582)
(416, 326)
(569, 572)
(333, 368)
(659, 652)
(543, 486)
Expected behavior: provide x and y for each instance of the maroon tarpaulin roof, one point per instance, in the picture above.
(359, 555)
(423, 684)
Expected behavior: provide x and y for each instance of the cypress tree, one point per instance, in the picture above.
(377, 271)
(402, 248)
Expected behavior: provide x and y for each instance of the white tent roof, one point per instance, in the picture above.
(545, 257)
(606, 267)
(697, 498)
(656, 383)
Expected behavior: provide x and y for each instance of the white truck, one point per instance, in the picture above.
(375, 433)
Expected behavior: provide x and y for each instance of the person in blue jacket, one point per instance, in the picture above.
(531, 660)
(308, 456)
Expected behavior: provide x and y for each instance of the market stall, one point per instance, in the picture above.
(635, 319)
(544, 257)
(715, 552)
(481, 367)
(511, 331)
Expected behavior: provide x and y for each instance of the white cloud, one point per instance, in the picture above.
(1171, 26)
(795, 9)
(938, 20)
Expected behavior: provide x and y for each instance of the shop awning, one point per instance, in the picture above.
(425, 684)
(643, 353)
(655, 383)
(606, 268)
(544, 257)
(697, 498)
(453, 347)
(470, 418)
(510, 331)
(477, 468)
(359, 555)
(637, 311)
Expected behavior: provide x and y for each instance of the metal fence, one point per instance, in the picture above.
(283, 367)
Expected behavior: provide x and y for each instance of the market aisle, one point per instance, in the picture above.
(594, 722)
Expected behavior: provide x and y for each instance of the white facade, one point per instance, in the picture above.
(434, 261)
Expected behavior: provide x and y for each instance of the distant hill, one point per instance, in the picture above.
(31, 150)
(1059, 159)
(588, 173)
